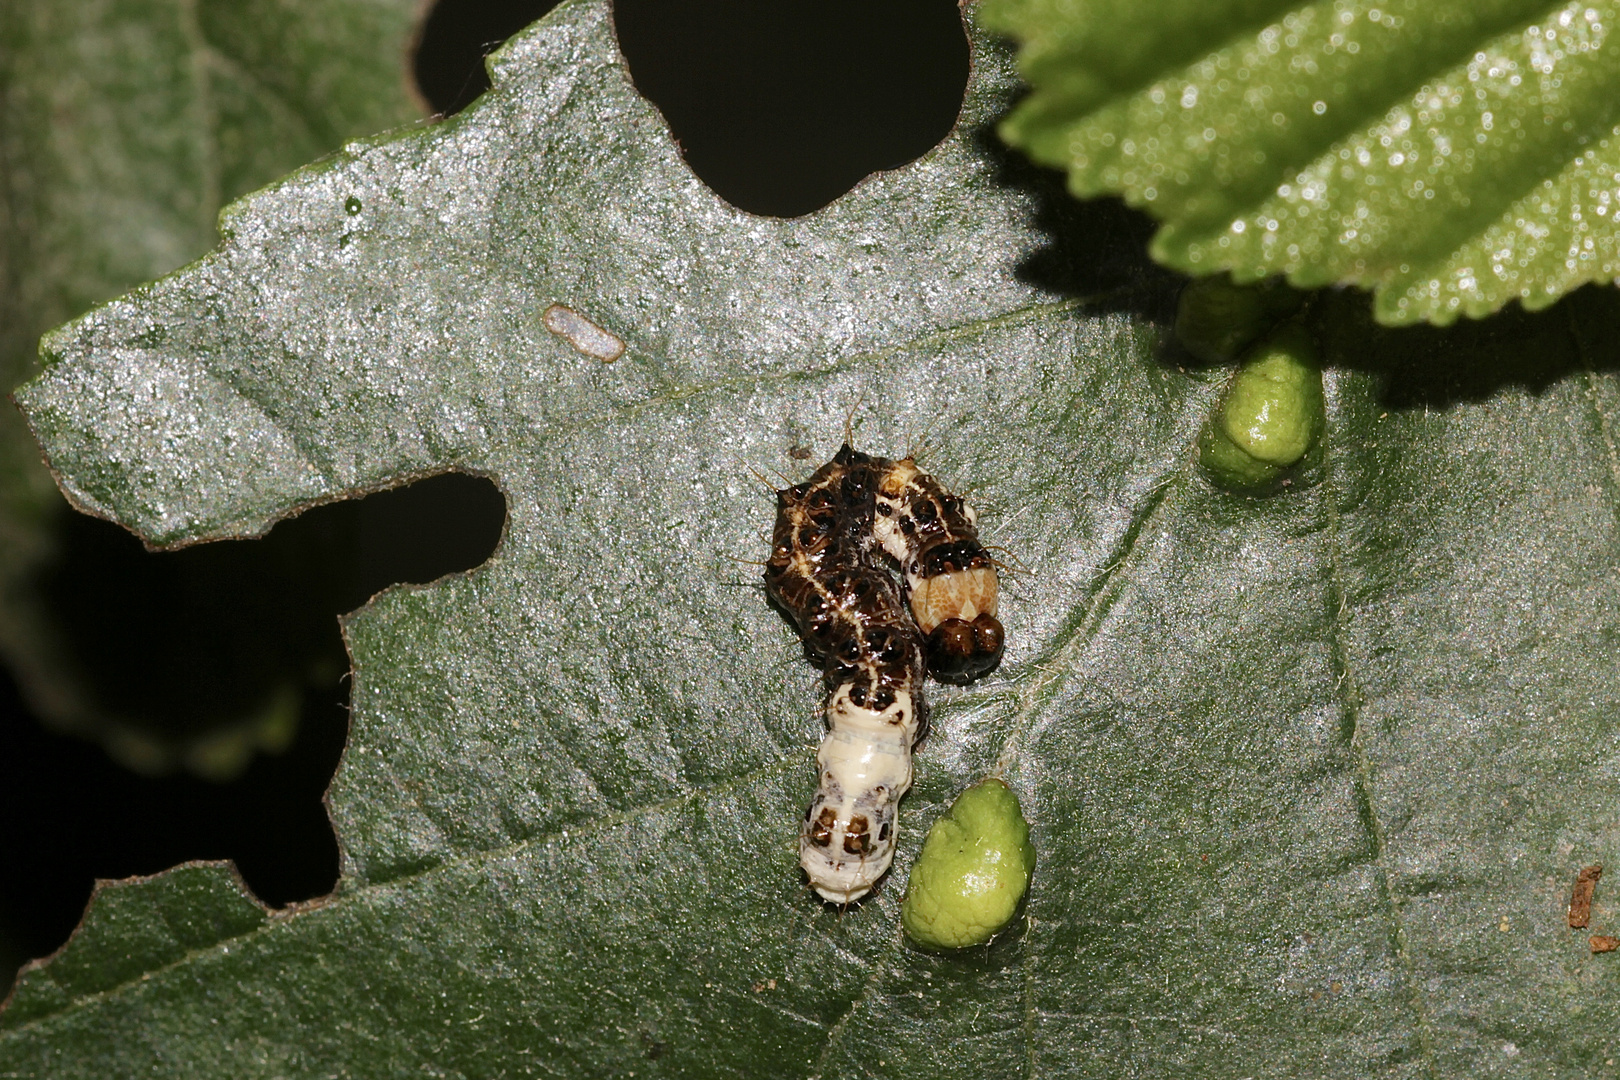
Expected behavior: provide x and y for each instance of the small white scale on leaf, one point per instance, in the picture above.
(583, 334)
(839, 538)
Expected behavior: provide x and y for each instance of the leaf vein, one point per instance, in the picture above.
(954, 332)
(1094, 609)
(1349, 695)
(836, 1030)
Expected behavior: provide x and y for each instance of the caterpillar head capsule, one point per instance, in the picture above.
(959, 650)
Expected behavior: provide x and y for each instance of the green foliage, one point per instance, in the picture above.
(1309, 776)
(1450, 155)
(125, 126)
(972, 872)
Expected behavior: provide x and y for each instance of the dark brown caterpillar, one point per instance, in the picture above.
(837, 537)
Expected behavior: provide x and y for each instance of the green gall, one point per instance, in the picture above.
(1216, 320)
(973, 870)
(1270, 420)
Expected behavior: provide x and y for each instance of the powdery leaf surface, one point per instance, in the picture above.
(1452, 156)
(1309, 777)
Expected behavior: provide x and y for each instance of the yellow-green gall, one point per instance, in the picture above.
(1270, 421)
(1216, 320)
(973, 870)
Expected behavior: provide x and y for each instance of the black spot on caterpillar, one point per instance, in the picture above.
(838, 538)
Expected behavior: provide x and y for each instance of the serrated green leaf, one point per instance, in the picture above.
(125, 126)
(1308, 776)
(1451, 156)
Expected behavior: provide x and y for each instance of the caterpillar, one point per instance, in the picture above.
(838, 539)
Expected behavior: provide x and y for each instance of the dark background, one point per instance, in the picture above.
(780, 106)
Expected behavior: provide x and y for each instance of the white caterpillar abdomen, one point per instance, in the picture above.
(853, 822)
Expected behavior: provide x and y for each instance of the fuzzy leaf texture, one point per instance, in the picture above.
(1452, 156)
(1308, 776)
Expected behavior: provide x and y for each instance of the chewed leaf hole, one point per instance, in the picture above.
(779, 108)
(219, 672)
(782, 107)
(448, 59)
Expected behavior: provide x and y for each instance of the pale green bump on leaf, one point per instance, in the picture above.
(973, 871)
(1450, 155)
(569, 803)
(1216, 317)
(1272, 415)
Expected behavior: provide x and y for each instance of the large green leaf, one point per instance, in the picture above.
(124, 126)
(1308, 776)
(1451, 155)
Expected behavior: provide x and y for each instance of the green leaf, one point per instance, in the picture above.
(125, 127)
(1451, 156)
(1309, 776)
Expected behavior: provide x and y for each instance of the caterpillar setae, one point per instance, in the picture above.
(838, 537)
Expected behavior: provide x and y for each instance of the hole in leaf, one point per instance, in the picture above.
(778, 107)
(171, 643)
(781, 107)
(454, 39)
